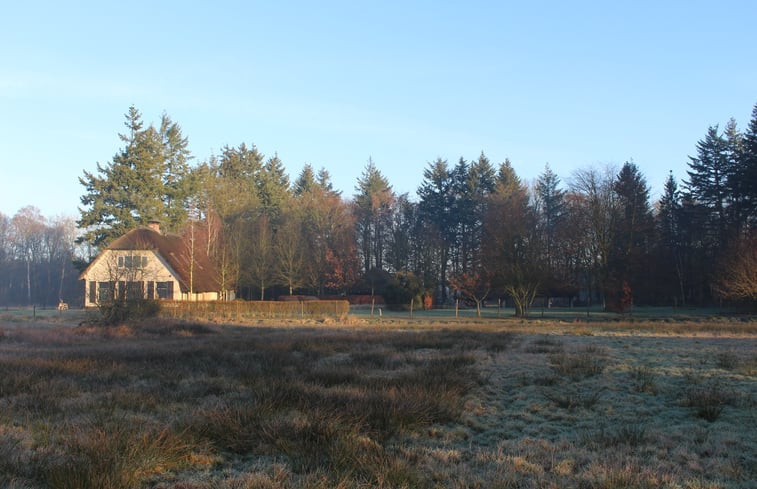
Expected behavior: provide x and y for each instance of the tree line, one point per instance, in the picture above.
(474, 230)
(37, 259)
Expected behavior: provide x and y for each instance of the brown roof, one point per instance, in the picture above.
(176, 251)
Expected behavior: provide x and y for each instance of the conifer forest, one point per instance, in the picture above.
(474, 230)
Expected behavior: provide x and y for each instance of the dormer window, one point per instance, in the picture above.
(132, 261)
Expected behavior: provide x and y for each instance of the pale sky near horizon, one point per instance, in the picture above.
(572, 84)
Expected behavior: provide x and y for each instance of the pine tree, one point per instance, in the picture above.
(708, 183)
(550, 207)
(472, 183)
(670, 272)
(178, 184)
(131, 189)
(461, 212)
(305, 181)
(374, 203)
(323, 179)
(242, 163)
(400, 255)
(629, 262)
(273, 188)
(435, 213)
(746, 173)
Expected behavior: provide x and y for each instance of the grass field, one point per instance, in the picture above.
(378, 403)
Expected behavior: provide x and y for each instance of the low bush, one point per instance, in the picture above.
(120, 311)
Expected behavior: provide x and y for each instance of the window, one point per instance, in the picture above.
(92, 292)
(164, 289)
(132, 261)
(105, 291)
(151, 290)
(134, 290)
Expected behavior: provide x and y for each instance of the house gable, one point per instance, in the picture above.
(145, 256)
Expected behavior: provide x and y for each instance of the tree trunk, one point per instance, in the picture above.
(28, 283)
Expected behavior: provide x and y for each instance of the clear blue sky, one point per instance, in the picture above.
(574, 84)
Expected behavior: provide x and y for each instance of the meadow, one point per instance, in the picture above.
(370, 402)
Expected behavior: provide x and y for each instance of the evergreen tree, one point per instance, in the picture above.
(436, 195)
(461, 213)
(178, 183)
(273, 188)
(472, 183)
(400, 254)
(550, 210)
(242, 163)
(708, 180)
(629, 263)
(144, 181)
(746, 173)
(323, 179)
(374, 203)
(669, 268)
(734, 150)
(305, 181)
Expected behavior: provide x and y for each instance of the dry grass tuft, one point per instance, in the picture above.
(644, 380)
(708, 401)
(625, 433)
(570, 399)
(587, 362)
(110, 456)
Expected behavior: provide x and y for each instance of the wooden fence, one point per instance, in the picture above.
(240, 310)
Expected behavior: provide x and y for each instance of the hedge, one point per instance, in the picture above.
(237, 310)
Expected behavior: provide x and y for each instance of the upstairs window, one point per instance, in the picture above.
(132, 261)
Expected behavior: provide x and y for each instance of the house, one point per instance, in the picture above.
(147, 264)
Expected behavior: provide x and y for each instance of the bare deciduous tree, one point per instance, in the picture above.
(290, 251)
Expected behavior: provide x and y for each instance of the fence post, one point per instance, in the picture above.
(412, 301)
(457, 305)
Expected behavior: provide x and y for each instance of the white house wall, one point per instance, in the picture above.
(105, 269)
